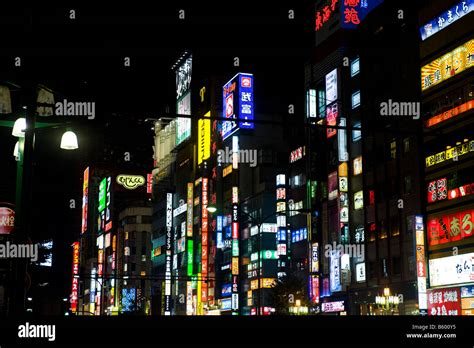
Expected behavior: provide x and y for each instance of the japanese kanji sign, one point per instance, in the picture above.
(450, 227)
(448, 65)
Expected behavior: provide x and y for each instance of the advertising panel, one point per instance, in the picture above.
(444, 301)
(335, 273)
(238, 102)
(449, 228)
(331, 87)
(75, 276)
(85, 200)
(7, 220)
(183, 100)
(452, 270)
(446, 18)
(168, 244)
(457, 110)
(336, 306)
(448, 65)
(450, 154)
(204, 138)
(331, 119)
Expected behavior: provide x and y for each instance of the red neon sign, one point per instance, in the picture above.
(75, 276)
(450, 113)
(451, 227)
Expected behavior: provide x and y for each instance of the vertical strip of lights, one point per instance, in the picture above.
(169, 225)
(204, 241)
(281, 224)
(421, 264)
(75, 276)
(235, 227)
(190, 249)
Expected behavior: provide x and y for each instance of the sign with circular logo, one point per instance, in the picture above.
(7, 220)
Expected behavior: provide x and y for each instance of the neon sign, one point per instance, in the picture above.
(450, 113)
(446, 18)
(448, 65)
(238, 102)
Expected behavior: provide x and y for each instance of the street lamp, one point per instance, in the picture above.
(211, 209)
(387, 302)
(19, 128)
(24, 129)
(69, 141)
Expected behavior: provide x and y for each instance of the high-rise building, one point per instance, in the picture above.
(361, 172)
(445, 259)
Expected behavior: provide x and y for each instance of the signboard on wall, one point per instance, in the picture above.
(452, 270)
(444, 301)
(449, 228)
(204, 138)
(331, 87)
(448, 65)
(7, 220)
(183, 99)
(446, 18)
(238, 102)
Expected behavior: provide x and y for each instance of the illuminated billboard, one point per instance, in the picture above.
(448, 65)
(183, 100)
(452, 270)
(331, 119)
(449, 228)
(105, 205)
(130, 182)
(351, 12)
(335, 272)
(457, 110)
(75, 276)
(85, 200)
(204, 138)
(7, 220)
(204, 237)
(450, 154)
(238, 102)
(331, 87)
(169, 250)
(444, 301)
(446, 18)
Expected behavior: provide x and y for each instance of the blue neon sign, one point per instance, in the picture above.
(238, 103)
(446, 18)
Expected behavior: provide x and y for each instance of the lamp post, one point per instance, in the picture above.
(387, 302)
(24, 129)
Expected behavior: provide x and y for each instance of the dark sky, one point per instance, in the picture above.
(82, 59)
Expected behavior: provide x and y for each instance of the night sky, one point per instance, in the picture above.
(82, 60)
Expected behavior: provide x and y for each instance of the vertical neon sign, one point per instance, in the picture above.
(169, 225)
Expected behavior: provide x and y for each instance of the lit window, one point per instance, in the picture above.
(311, 103)
(281, 206)
(355, 67)
(393, 149)
(357, 165)
(356, 134)
(355, 99)
(322, 103)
